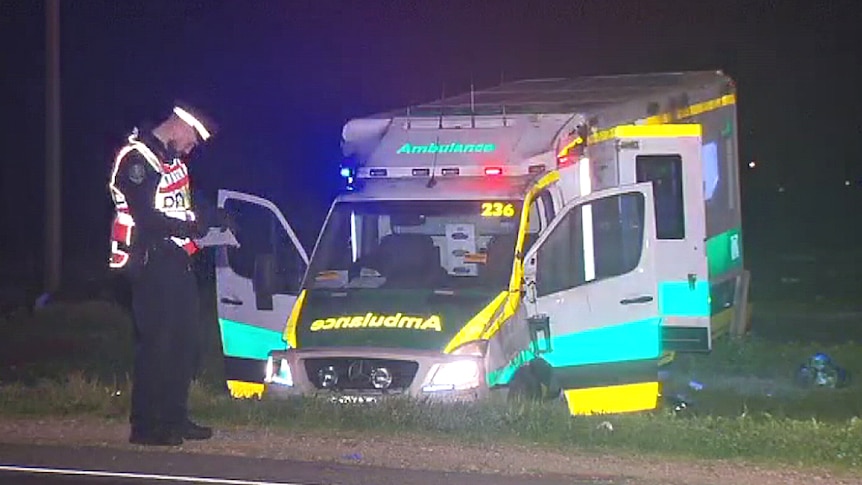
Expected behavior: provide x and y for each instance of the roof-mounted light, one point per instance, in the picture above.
(347, 170)
(377, 172)
(418, 172)
(450, 171)
(493, 171)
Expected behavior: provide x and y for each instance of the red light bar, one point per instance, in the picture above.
(566, 160)
(493, 171)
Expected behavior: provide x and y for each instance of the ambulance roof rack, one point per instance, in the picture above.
(559, 95)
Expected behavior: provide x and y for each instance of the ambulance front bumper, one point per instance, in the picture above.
(372, 374)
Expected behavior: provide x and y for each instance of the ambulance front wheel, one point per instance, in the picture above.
(525, 386)
(534, 382)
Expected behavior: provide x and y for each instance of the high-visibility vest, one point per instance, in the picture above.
(172, 198)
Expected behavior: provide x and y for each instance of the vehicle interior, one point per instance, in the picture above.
(410, 245)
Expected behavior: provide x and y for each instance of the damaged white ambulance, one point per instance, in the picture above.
(547, 237)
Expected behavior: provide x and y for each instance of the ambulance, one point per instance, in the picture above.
(550, 238)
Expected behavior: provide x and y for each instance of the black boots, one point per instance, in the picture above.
(156, 437)
(192, 431)
(163, 436)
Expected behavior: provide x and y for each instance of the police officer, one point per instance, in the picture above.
(152, 242)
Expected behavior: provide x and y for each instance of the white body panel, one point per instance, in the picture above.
(668, 156)
(680, 256)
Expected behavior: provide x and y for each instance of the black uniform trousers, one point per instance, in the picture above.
(166, 317)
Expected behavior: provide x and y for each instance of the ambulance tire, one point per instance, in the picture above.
(525, 386)
(543, 372)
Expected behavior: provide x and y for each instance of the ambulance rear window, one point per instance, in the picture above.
(665, 173)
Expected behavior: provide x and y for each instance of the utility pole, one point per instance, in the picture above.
(52, 146)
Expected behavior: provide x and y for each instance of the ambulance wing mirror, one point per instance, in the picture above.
(265, 280)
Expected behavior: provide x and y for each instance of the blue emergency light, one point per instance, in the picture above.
(348, 173)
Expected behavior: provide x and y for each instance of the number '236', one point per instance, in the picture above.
(497, 209)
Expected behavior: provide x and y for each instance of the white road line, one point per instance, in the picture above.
(140, 476)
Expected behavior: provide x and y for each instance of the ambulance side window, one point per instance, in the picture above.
(593, 241)
(260, 235)
(561, 257)
(541, 214)
(548, 205)
(665, 173)
(535, 226)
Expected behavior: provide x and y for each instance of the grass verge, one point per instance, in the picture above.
(72, 360)
(752, 436)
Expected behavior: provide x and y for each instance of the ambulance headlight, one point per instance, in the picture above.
(280, 375)
(453, 376)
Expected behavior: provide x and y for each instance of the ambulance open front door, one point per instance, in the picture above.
(257, 285)
(592, 277)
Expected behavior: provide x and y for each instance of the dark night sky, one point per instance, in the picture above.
(282, 77)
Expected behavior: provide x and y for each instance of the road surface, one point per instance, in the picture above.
(62, 465)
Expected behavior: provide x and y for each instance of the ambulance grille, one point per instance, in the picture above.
(354, 373)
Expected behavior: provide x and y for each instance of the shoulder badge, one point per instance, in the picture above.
(137, 173)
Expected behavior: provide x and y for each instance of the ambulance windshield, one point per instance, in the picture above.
(427, 244)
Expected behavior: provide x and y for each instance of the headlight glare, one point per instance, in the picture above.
(453, 376)
(280, 376)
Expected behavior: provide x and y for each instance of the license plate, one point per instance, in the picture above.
(350, 399)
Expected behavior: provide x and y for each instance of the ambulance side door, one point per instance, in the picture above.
(257, 284)
(670, 158)
(592, 274)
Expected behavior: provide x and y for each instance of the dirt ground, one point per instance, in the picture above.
(424, 453)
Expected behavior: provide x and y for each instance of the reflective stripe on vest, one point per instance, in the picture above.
(172, 198)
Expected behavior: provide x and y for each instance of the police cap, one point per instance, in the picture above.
(203, 125)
